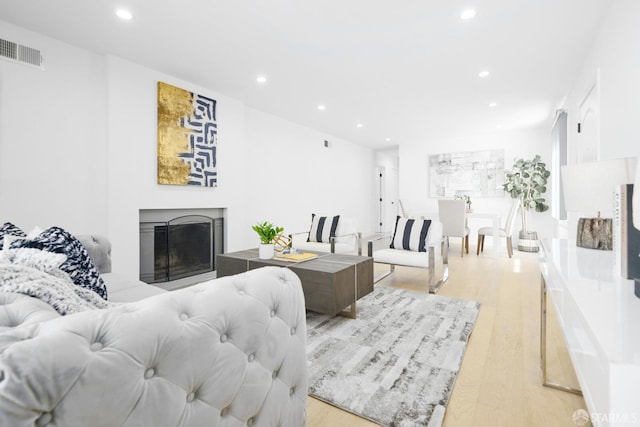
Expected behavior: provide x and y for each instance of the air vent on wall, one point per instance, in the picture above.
(20, 53)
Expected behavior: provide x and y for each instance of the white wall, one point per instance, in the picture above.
(614, 63)
(414, 172)
(615, 57)
(295, 175)
(53, 137)
(78, 149)
(132, 162)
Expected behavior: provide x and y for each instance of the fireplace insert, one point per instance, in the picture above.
(182, 247)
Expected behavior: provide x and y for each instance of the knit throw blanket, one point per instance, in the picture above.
(35, 273)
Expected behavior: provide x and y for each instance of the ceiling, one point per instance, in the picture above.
(406, 70)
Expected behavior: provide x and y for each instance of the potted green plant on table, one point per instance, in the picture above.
(527, 182)
(267, 232)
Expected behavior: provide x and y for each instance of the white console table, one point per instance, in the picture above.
(600, 319)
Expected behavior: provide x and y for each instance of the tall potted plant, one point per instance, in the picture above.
(527, 182)
(267, 233)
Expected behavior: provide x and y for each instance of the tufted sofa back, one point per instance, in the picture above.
(228, 352)
(99, 250)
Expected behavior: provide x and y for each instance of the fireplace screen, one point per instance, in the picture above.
(183, 247)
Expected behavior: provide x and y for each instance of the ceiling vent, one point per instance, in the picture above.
(20, 53)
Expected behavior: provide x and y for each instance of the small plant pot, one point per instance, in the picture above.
(266, 251)
(528, 241)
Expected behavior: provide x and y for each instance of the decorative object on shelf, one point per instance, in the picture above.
(281, 242)
(527, 182)
(635, 207)
(588, 189)
(268, 234)
(187, 138)
(595, 233)
(626, 237)
(467, 200)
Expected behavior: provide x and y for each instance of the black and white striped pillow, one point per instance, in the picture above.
(410, 234)
(323, 228)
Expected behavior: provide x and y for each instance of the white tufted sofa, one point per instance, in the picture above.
(227, 352)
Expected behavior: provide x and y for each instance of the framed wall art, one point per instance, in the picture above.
(471, 173)
(187, 138)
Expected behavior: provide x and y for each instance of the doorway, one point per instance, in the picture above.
(587, 149)
(387, 198)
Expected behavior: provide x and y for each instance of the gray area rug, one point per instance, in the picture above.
(396, 364)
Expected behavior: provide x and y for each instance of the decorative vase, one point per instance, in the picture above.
(528, 241)
(265, 251)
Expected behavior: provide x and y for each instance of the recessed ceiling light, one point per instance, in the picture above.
(387, 139)
(124, 14)
(493, 104)
(359, 125)
(321, 107)
(467, 14)
(261, 79)
(483, 73)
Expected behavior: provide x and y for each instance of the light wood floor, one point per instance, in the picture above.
(499, 383)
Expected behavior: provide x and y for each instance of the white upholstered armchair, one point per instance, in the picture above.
(335, 234)
(414, 243)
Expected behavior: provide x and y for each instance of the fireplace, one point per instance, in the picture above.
(181, 247)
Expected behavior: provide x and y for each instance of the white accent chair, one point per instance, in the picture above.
(505, 232)
(347, 240)
(436, 246)
(452, 215)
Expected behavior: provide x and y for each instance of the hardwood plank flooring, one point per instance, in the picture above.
(499, 383)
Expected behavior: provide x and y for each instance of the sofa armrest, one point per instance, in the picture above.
(223, 352)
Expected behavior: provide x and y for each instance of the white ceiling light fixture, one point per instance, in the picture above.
(124, 14)
(388, 139)
(322, 107)
(261, 79)
(467, 14)
(484, 73)
(359, 125)
(493, 104)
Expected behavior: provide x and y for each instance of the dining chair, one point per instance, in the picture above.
(506, 232)
(452, 215)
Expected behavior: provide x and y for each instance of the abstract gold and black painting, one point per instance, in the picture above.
(187, 138)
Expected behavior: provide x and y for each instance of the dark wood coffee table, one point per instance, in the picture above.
(330, 282)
